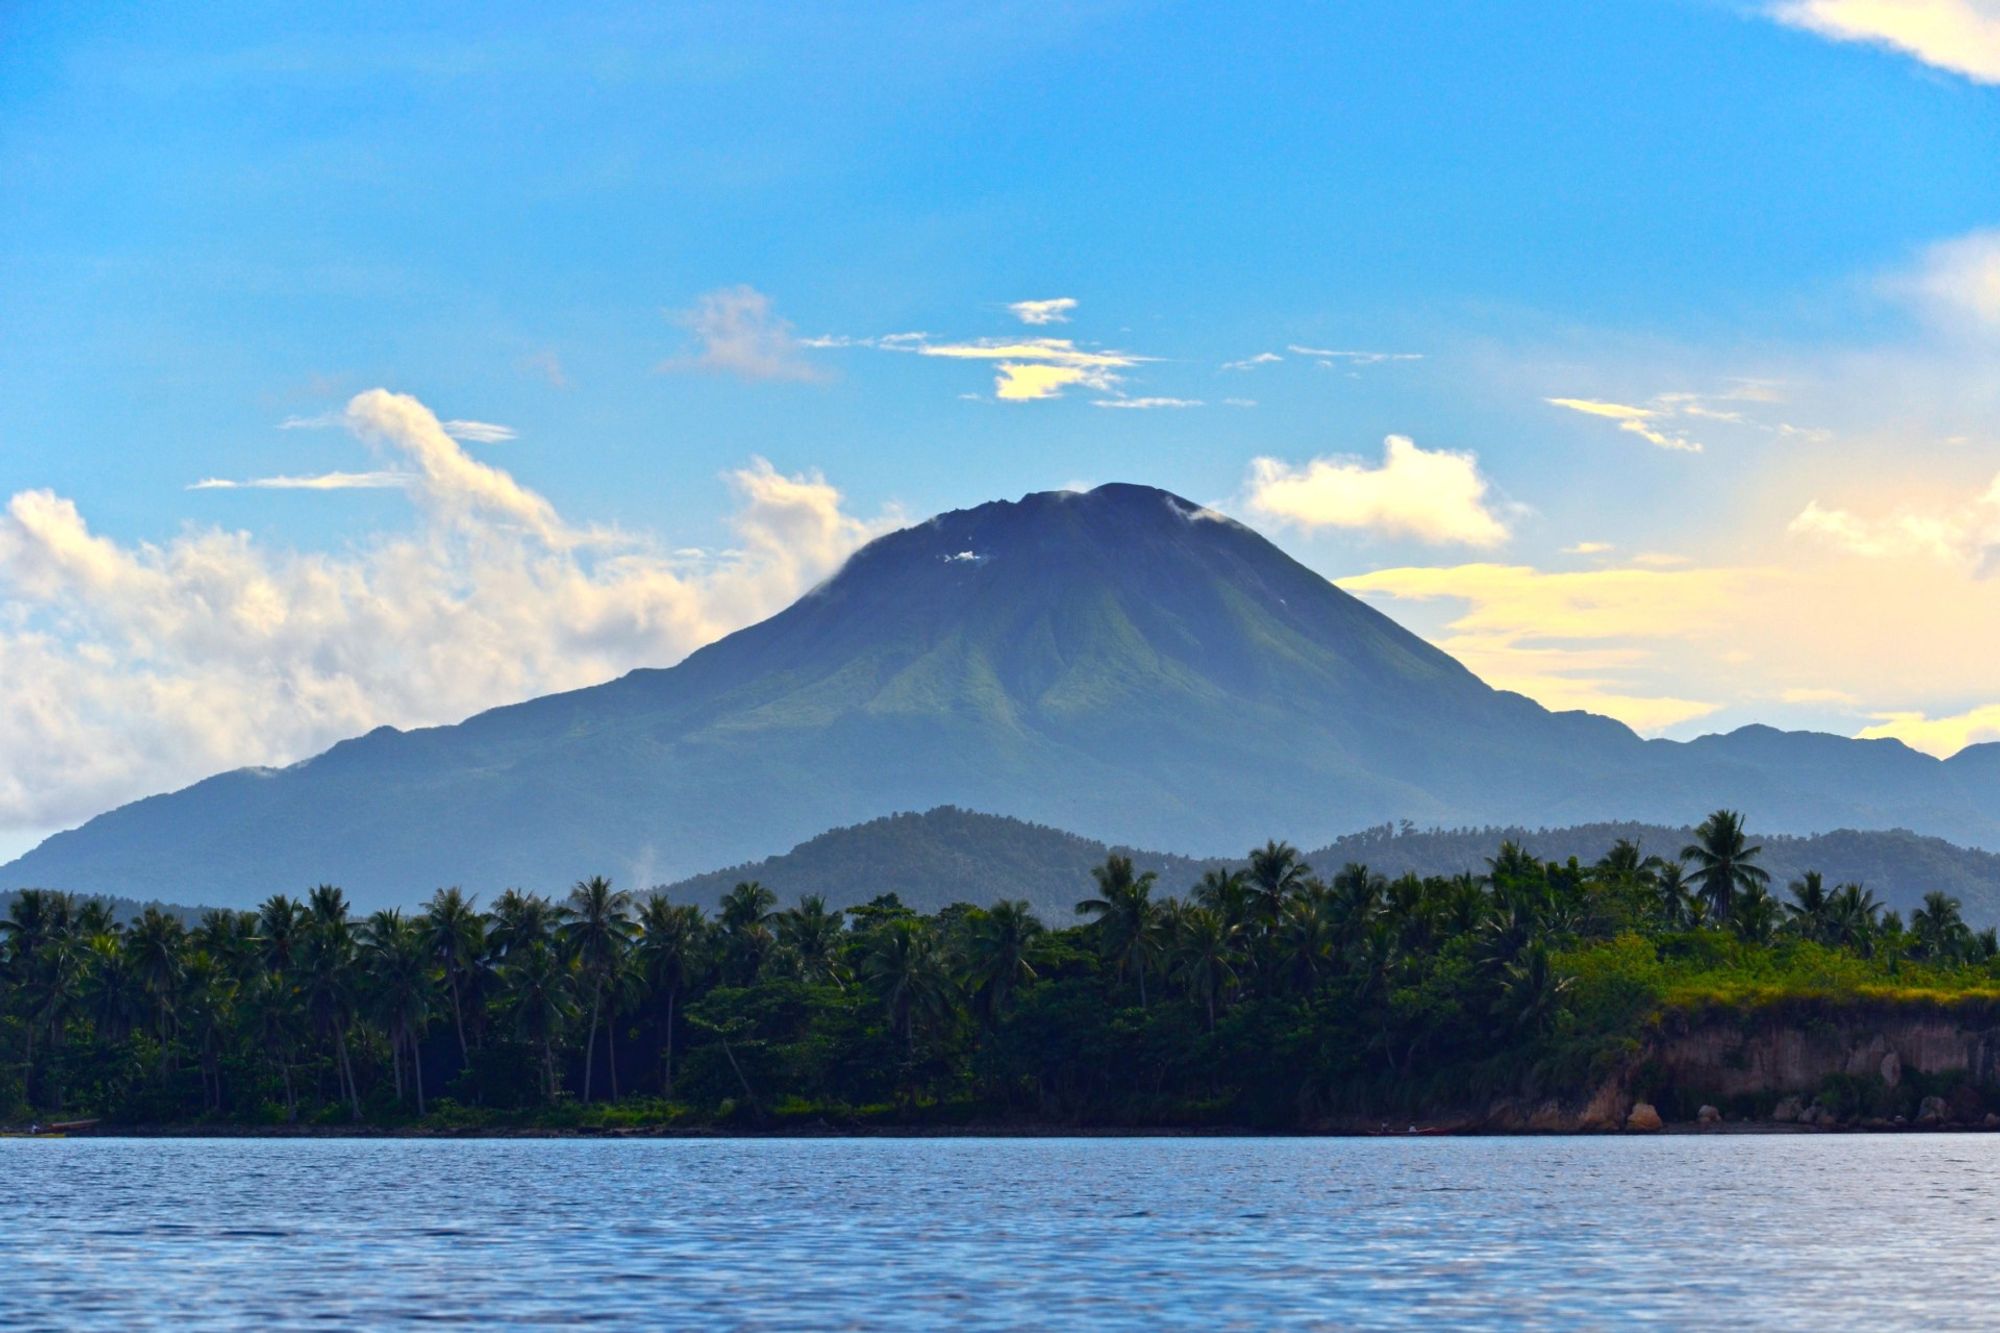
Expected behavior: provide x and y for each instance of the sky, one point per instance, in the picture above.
(366, 366)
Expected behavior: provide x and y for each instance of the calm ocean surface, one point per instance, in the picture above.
(1827, 1231)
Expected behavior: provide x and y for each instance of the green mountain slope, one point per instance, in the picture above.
(1121, 662)
(947, 855)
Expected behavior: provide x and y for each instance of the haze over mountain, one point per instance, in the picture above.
(1121, 663)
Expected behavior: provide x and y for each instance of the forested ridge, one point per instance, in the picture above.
(1277, 995)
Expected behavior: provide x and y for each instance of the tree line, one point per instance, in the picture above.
(1265, 994)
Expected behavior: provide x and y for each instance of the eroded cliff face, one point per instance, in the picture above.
(1795, 1053)
(1866, 1064)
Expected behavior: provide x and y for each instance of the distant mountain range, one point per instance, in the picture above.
(1122, 663)
(947, 855)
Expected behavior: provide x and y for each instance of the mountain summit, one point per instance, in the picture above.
(1122, 663)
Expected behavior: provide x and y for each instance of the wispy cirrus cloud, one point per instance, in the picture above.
(1434, 496)
(1146, 404)
(1633, 420)
(1329, 357)
(1052, 311)
(737, 331)
(1252, 362)
(1961, 36)
(478, 432)
(323, 481)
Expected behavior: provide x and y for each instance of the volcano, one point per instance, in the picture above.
(1120, 663)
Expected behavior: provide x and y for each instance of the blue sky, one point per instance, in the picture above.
(1554, 248)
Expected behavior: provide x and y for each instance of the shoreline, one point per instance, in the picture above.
(1421, 1130)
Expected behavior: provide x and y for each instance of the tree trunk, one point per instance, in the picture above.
(396, 1063)
(611, 1051)
(458, 1019)
(590, 1046)
(417, 1071)
(347, 1067)
(667, 1091)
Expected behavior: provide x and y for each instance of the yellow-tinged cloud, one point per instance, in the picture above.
(1435, 496)
(1637, 420)
(1962, 36)
(1938, 735)
(1595, 408)
(1034, 368)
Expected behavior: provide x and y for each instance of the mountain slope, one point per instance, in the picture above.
(947, 855)
(1121, 662)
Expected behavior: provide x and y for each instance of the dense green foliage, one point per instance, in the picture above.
(1267, 996)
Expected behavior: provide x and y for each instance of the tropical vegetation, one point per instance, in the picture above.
(1271, 995)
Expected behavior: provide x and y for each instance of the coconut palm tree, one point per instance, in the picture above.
(1001, 944)
(281, 928)
(1724, 862)
(1854, 918)
(1124, 914)
(901, 966)
(1755, 913)
(670, 938)
(395, 957)
(747, 911)
(1226, 893)
(1204, 957)
(455, 934)
(153, 947)
(1674, 903)
(327, 974)
(1810, 913)
(273, 1019)
(538, 996)
(113, 996)
(1938, 928)
(809, 934)
(1276, 873)
(597, 931)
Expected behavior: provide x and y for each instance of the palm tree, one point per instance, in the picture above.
(455, 935)
(1124, 912)
(1000, 946)
(539, 998)
(1532, 990)
(154, 948)
(810, 936)
(1307, 937)
(281, 927)
(1226, 893)
(270, 1010)
(1810, 913)
(1724, 864)
(1939, 930)
(521, 921)
(1204, 957)
(327, 961)
(1754, 915)
(1276, 872)
(746, 916)
(1674, 899)
(901, 966)
(1853, 918)
(669, 937)
(113, 997)
(396, 959)
(597, 931)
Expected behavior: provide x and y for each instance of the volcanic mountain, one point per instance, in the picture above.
(1120, 663)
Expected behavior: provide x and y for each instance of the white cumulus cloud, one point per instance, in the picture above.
(1053, 311)
(133, 668)
(1435, 496)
